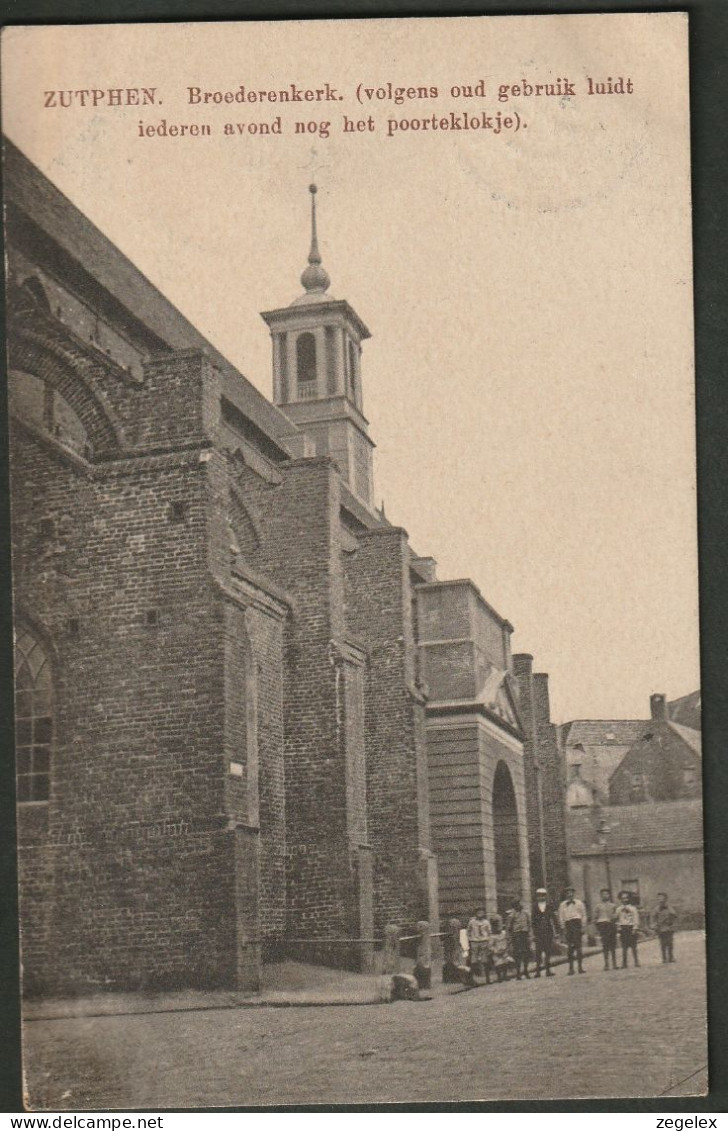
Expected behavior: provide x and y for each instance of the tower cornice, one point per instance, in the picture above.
(316, 312)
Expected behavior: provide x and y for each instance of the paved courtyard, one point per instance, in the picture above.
(639, 1032)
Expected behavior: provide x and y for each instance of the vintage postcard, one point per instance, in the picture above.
(350, 369)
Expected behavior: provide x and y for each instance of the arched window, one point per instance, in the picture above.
(33, 400)
(306, 366)
(33, 717)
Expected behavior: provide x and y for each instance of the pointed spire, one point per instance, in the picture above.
(314, 278)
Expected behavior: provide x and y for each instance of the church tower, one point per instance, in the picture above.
(317, 371)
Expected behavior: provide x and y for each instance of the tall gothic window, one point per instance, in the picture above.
(33, 718)
(306, 366)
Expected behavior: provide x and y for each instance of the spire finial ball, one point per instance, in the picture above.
(312, 189)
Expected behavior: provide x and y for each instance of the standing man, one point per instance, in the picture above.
(545, 930)
(604, 914)
(519, 935)
(572, 918)
(663, 921)
(628, 920)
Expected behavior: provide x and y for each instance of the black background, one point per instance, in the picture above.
(709, 146)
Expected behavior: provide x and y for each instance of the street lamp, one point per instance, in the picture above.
(603, 831)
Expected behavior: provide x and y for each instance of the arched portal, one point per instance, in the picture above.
(506, 839)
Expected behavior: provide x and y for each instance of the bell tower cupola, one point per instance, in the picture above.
(317, 344)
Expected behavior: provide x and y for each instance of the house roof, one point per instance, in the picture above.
(47, 207)
(686, 710)
(658, 826)
(604, 732)
(690, 736)
(664, 737)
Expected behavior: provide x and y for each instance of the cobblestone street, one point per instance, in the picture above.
(639, 1032)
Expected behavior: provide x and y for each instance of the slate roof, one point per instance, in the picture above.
(33, 194)
(690, 736)
(686, 710)
(657, 826)
(605, 732)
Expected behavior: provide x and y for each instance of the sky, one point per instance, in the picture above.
(529, 381)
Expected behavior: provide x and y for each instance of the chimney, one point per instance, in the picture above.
(426, 568)
(522, 664)
(658, 707)
(542, 698)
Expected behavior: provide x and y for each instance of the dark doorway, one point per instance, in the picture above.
(506, 840)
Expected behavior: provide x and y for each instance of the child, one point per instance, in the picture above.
(499, 953)
(479, 940)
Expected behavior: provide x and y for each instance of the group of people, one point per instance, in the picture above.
(495, 944)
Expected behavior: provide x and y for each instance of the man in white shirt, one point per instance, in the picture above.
(627, 919)
(572, 919)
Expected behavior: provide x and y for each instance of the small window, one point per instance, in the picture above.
(637, 787)
(152, 618)
(178, 512)
(633, 887)
(74, 627)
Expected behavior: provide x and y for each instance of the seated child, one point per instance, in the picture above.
(500, 956)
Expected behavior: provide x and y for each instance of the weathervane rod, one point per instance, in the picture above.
(314, 255)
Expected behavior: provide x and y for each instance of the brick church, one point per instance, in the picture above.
(250, 720)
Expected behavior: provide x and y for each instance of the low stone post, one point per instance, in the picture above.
(453, 952)
(423, 967)
(391, 949)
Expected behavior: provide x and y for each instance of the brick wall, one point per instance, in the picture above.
(128, 872)
(137, 846)
(544, 779)
(299, 521)
(553, 786)
(379, 614)
(523, 670)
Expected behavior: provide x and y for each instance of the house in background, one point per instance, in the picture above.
(634, 816)
(592, 750)
(644, 848)
(663, 764)
(594, 754)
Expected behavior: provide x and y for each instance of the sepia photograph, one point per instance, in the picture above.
(351, 385)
